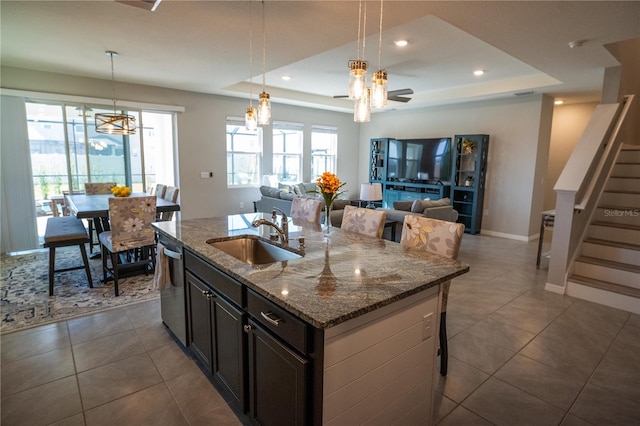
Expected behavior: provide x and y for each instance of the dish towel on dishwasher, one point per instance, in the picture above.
(161, 276)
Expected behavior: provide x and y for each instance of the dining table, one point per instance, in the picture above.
(96, 207)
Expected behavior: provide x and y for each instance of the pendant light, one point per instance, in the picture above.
(264, 101)
(251, 114)
(362, 110)
(358, 67)
(379, 78)
(115, 124)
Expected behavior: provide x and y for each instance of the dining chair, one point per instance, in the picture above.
(170, 194)
(95, 188)
(306, 209)
(363, 221)
(131, 236)
(442, 238)
(160, 190)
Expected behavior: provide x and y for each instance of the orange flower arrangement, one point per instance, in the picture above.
(329, 185)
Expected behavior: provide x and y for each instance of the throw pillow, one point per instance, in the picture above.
(287, 195)
(340, 204)
(268, 191)
(417, 206)
(403, 205)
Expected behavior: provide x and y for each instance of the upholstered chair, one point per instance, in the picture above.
(131, 234)
(170, 194)
(363, 221)
(438, 237)
(95, 188)
(306, 209)
(160, 190)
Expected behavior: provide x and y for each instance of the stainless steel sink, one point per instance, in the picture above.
(253, 251)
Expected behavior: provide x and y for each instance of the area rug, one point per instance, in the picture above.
(24, 287)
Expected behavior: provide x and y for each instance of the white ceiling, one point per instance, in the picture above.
(203, 46)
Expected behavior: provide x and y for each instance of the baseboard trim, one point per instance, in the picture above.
(504, 235)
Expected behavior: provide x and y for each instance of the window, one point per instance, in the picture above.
(244, 150)
(324, 148)
(67, 152)
(287, 151)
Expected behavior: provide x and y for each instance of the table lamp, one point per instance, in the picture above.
(371, 192)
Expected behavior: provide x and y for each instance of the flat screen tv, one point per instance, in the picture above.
(419, 160)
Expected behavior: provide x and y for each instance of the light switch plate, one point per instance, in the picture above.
(427, 326)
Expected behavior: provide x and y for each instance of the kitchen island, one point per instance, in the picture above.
(346, 333)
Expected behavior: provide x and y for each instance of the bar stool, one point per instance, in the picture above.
(63, 231)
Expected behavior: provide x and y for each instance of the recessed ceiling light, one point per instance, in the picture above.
(286, 77)
(558, 102)
(478, 72)
(401, 43)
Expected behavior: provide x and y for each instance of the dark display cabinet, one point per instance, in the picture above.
(468, 179)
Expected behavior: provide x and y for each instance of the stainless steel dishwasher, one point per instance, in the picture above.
(172, 298)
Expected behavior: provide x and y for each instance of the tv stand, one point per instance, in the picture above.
(399, 189)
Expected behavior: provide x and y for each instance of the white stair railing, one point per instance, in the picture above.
(580, 185)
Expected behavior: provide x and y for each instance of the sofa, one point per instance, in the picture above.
(434, 209)
(281, 198)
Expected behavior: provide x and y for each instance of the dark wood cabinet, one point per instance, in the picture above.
(278, 378)
(468, 179)
(216, 331)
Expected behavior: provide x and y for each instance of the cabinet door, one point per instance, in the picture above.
(200, 341)
(229, 347)
(277, 381)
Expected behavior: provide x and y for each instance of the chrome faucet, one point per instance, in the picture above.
(283, 232)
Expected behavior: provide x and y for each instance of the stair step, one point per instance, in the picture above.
(623, 183)
(601, 269)
(626, 170)
(609, 250)
(616, 232)
(606, 285)
(617, 215)
(629, 199)
(629, 155)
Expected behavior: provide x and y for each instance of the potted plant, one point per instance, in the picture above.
(468, 146)
(468, 181)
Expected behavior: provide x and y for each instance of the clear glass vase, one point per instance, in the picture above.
(327, 221)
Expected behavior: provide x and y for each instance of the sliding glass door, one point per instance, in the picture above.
(67, 152)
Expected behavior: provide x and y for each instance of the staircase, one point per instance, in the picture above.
(607, 270)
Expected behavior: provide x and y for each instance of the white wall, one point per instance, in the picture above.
(569, 122)
(514, 127)
(201, 135)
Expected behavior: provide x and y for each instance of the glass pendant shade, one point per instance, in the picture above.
(357, 78)
(362, 110)
(115, 124)
(251, 118)
(379, 89)
(264, 109)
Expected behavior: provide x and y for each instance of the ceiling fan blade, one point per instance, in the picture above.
(399, 92)
(340, 96)
(398, 99)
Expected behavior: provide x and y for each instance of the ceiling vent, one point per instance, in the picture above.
(526, 93)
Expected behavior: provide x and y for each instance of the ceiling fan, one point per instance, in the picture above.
(392, 95)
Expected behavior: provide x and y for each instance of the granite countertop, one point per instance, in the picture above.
(338, 278)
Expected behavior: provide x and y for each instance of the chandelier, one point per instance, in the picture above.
(115, 124)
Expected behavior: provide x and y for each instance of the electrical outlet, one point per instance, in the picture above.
(242, 204)
(427, 325)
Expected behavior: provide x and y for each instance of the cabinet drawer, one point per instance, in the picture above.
(291, 329)
(225, 285)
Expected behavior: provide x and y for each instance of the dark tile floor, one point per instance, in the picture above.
(518, 356)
